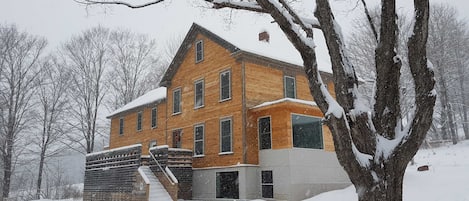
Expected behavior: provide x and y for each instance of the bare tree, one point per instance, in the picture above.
(53, 102)
(134, 62)
(370, 142)
(19, 62)
(447, 46)
(87, 58)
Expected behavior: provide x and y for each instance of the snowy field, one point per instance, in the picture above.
(447, 179)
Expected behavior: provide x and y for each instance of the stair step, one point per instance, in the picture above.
(157, 191)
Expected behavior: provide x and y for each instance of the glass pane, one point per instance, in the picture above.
(289, 87)
(226, 136)
(176, 101)
(199, 100)
(265, 141)
(199, 133)
(227, 185)
(199, 51)
(267, 191)
(307, 132)
(225, 85)
(153, 117)
(199, 148)
(267, 177)
(264, 133)
(139, 121)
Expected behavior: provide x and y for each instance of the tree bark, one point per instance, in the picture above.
(40, 171)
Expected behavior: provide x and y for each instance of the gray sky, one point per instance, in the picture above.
(58, 20)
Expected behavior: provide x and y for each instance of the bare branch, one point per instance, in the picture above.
(92, 2)
(370, 21)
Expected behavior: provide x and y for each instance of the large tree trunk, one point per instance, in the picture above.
(7, 168)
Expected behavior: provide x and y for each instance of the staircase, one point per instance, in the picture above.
(157, 191)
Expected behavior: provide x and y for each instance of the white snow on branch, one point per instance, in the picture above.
(334, 107)
(241, 3)
(362, 159)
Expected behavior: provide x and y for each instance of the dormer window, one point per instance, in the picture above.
(199, 51)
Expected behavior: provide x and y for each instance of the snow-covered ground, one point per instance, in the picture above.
(447, 179)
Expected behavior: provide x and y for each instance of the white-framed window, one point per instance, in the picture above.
(139, 121)
(225, 85)
(177, 101)
(289, 85)
(267, 182)
(199, 135)
(199, 93)
(265, 133)
(199, 51)
(307, 131)
(121, 126)
(226, 133)
(154, 117)
(152, 144)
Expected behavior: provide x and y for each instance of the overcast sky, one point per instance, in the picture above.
(58, 20)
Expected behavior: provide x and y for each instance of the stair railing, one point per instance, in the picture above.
(162, 170)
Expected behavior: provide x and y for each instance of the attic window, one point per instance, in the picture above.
(199, 51)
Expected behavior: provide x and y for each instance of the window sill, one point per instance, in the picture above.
(224, 100)
(198, 156)
(225, 153)
(154, 127)
(178, 113)
(199, 107)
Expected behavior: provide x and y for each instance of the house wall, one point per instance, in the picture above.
(280, 117)
(302, 173)
(144, 136)
(204, 182)
(216, 60)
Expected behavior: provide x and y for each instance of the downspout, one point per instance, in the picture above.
(243, 85)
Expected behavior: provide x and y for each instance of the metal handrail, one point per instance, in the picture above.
(162, 170)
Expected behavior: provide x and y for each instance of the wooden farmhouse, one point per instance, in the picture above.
(228, 122)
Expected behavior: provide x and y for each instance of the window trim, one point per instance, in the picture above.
(121, 126)
(221, 152)
(285, 86)
(258, 129)
(291, 128)
(202, 140)
(202, 51)
(139, 121)
(267, 184)
(221, 99)
(195, 93)
(180, 100)
(154, 117)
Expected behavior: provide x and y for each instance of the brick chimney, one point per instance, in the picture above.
(264, 36)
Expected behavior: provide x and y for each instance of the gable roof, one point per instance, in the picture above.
(150, 97)
(278, 50)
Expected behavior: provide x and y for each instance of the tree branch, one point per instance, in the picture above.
(92, 2)
(368, 17)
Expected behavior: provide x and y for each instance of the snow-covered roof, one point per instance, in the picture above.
(293, 100)
(278, 47)
(150, 97)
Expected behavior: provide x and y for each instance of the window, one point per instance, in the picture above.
(307, 132)
(289, 86)
(265, 140)
(152, 144)
(225, 85)
(199, 51)
(121, 126)
(267, 184)
(199, 140)
(139, 121)
(177, 135)
(225, 135)
(199, 94)
(227, 185)
(154, 117)
(177, 101)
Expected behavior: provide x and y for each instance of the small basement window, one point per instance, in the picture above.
(267, 184)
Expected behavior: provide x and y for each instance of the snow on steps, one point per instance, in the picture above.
(157, 191)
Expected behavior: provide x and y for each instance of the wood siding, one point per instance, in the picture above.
(216, 60)
(144, 136)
